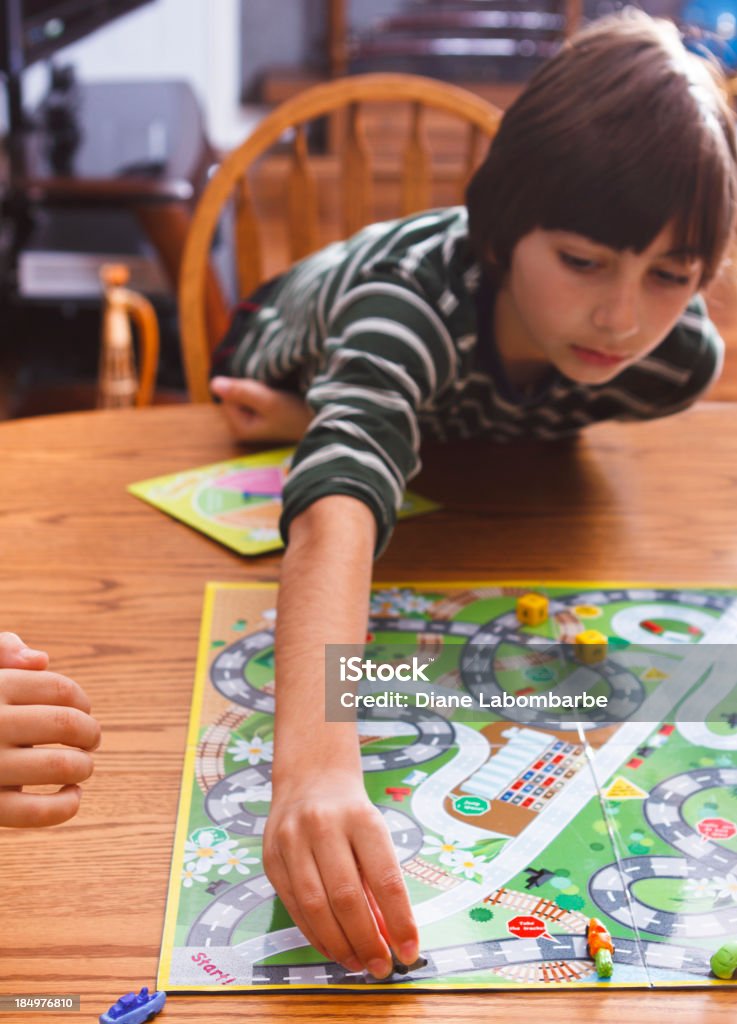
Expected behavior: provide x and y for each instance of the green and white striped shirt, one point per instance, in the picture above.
(380, 334)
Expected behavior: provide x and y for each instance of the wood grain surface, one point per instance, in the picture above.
(113, 590)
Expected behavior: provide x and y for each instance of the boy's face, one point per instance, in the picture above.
(590, 310)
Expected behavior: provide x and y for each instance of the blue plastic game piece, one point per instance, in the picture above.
(134, 1009)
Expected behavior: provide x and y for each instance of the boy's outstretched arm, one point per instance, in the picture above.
(324, 840)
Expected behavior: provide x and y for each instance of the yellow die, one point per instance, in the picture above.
(532, 609)
(591, 646)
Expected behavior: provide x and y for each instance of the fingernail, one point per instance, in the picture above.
(29, 654)
(221, 384)
(379, 968)
(352, 964)
(409, 952)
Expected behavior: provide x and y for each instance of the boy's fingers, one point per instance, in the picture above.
(336, 863)
(314, 909)
(280, 880)
(246, 425)
(238, 391)
(30, 725)
(14, 653)
(387, 893)
(35, 810)
(238, 418)
(34, 766)
(19, 687)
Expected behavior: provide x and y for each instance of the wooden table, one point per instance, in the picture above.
(113, 590)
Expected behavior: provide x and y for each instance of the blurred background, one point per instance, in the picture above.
(115, 112)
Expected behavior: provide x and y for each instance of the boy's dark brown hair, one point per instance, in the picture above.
(620, 134)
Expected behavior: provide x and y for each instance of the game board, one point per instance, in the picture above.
(511, 836)
(238, 502)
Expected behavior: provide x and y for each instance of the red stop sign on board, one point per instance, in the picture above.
(526, 927)
(716, 828)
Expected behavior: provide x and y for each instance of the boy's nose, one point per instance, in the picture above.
(617, 313)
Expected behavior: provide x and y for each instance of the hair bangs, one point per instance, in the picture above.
(622, 193)
(618, 137)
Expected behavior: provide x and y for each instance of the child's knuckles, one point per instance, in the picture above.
(313, 903)
(366, 816)
(67, 692)
(64, 721)
(318, 820)
(389, 885)
(57, 767)
(346, 897)
(285, 836)
(68, 767)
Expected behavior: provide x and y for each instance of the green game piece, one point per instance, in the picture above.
(217, 643)
(617, 643)
(724, 961)
(604, 963)
(239, 625)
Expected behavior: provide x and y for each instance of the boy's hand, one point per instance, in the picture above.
(39, 707)
(256, 412)
(324, 844)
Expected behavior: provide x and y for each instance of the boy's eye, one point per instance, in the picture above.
(576, 262)
(669, 277)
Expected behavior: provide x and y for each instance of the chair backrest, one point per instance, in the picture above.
(203, 311)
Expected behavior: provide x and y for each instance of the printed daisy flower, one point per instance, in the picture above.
(253, 750)
(229, 856)
(464, 863)
(202, 854)
(727, 887)
(699, 888)
(447, 848)
(416, 603)
(190, 876)
(385, 602)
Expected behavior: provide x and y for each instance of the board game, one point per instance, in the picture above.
(511, 834)
(238, 502)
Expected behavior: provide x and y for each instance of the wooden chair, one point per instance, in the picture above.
(203, 312)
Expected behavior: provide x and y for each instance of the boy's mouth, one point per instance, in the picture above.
(594, 357)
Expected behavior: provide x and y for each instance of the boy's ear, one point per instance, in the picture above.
(492, 264)
(490, 256)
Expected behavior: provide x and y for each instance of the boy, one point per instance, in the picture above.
(40, 707)
(565, 295)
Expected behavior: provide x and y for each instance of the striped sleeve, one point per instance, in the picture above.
(387, 354)
(679, 371)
